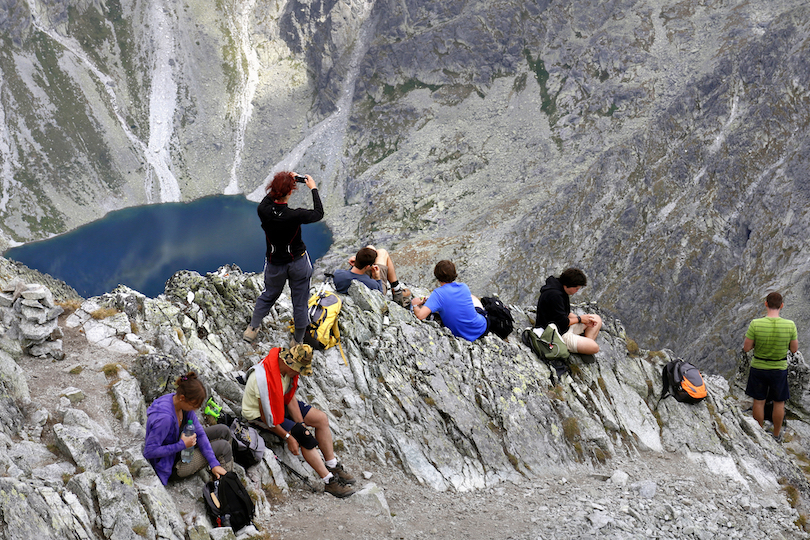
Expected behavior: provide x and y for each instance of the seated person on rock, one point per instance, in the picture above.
(269, 403)
(165, 420)
(375, 269)
(554, 306)
(459, 310)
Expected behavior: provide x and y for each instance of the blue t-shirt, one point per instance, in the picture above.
(453, 303)
(344, 278)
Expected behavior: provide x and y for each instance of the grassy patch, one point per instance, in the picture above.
(557, 392)
(103, 313)
(69, 305)
(571, 429)
(110, 370)
(802, 523)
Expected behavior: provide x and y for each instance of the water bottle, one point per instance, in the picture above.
(186, 453)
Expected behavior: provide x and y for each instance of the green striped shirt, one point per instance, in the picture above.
(772, 337)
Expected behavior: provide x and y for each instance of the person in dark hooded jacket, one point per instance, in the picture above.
(286, 257)
(554, 306)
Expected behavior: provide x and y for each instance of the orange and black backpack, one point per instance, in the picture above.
(683, 381)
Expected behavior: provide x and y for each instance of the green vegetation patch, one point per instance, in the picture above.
(548, 103)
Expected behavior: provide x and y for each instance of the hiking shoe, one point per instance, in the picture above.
(402, 297)
(338, 488)
(250, 334)
(779, 438)
(341, 473)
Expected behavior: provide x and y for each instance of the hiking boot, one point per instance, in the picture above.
(402, 297)
(338, 488)
(779, 438)
(250, 334)
(341, 473)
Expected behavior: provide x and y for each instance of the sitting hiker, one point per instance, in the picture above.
(554, 306)
(269, 403)
(459, 310)
(165, 420)
(375, 269)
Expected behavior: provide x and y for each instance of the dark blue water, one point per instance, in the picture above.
(142, 247)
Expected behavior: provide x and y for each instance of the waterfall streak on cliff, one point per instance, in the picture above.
(240, 27)
(721, 137)
(330, 133)
(162, 102)
(72, 46)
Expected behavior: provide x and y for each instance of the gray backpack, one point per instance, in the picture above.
(247, 445)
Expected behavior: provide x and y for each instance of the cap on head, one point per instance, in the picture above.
(299, 359)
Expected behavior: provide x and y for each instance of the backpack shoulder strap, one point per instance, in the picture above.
(666, 381)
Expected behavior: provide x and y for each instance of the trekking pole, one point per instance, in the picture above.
(296, 473)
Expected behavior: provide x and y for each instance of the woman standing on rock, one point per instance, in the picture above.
(287, 259)
(165, 440)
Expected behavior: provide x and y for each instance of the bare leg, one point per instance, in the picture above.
(592, 331)
(317, 419)
(313, 457)
(587, 346)
(758, 411)
(778, 416)
(384, 258)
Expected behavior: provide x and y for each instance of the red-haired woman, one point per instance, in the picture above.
(287, 259)
(165, 420)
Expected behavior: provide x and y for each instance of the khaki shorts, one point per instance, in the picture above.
(383, 277)
(573, 337)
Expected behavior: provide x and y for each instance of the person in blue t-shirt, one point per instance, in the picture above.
(459, 310)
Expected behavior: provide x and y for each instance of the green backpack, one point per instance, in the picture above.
(546, 343)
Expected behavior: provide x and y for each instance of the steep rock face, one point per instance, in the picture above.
(659, 145)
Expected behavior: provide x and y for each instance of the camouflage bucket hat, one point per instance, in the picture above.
(298, 358)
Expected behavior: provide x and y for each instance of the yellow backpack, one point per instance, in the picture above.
(323, 331)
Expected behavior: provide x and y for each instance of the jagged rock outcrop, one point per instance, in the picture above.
(660, 145)
(453, 415)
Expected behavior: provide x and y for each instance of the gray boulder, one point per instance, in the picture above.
(130, 402)
(81, 445)
(122, 515)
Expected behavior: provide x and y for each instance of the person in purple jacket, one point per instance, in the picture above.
(165, 419)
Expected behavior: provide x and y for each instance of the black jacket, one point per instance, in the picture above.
(553, 306)
(282, 228)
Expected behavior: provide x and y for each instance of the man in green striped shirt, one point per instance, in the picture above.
(771, 337)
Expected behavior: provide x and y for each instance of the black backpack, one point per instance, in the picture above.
(683, 381)
(228, 503)
(500, 318)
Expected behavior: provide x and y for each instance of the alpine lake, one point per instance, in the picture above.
(142, 247)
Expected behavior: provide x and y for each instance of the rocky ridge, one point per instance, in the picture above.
(436, 425)
(661, 145)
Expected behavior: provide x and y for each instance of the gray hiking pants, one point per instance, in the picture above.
(297, 273)
(219, 436)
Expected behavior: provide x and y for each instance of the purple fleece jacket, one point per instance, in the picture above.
(163, 437)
